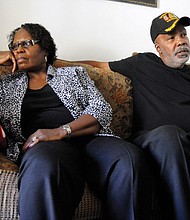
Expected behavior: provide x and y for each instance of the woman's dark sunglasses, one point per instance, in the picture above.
(24, 44)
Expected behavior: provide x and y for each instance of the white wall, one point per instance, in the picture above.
(89, 29)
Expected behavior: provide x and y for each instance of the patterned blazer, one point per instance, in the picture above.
(71, 84)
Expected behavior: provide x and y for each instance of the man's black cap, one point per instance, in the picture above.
(165, 23)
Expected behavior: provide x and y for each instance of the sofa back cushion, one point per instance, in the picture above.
(115, 88)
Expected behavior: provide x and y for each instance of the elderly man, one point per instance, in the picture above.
(161, 125)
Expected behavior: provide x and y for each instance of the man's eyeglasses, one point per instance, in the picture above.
(24, 44)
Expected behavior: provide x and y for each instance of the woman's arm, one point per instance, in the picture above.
(84, 125)
(7, 58)
(95, 103)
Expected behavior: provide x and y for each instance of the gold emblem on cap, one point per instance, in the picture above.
(172, 26)
(167, 17)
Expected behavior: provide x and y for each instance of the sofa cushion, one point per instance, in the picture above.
(9, 195)
(6, 164)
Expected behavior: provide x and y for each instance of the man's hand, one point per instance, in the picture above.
(7, 58)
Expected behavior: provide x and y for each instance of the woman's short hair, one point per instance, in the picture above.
(38, 32)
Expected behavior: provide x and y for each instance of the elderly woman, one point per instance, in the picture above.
(57, 128)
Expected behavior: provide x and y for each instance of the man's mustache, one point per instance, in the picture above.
(182, 49)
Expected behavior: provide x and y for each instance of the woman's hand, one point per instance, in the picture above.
(44, 135)
(84, 125)
(7, 58)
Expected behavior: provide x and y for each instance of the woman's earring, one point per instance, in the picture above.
(45, 58)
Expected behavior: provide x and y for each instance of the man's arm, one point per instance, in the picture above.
(103, 65)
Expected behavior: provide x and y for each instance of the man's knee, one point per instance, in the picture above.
(163, 132)
(163, 142)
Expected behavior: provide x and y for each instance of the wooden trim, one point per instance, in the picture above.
(151, 3)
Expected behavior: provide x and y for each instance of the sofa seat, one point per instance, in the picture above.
(116, 89)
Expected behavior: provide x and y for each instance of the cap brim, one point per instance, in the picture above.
(185, 21)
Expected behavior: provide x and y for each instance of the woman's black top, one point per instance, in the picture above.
(42, 109)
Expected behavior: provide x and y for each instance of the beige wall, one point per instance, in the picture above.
(89, 29)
